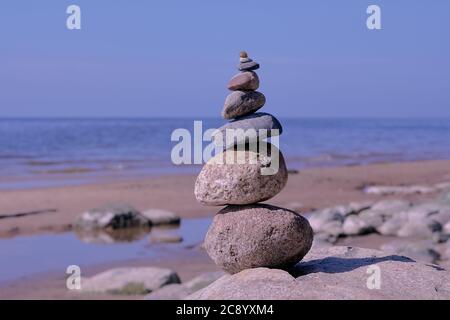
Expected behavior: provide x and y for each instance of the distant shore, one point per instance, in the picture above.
(307, 189)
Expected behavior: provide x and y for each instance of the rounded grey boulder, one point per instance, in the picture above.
(241, 177)
(244, 81)
(247, 129)
(241, 103)
(257, 235)
(248, 66)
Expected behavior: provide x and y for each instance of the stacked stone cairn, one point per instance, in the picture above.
(246, 233)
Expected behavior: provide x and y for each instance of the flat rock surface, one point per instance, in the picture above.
(336, 273)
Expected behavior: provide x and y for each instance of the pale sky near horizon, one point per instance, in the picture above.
(174, 58)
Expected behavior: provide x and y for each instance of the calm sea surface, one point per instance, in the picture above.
(41, 152)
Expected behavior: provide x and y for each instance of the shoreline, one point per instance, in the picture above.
(311, 188)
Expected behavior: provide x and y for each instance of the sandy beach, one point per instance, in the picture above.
(306, 190)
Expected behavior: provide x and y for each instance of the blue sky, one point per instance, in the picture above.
(174, 58)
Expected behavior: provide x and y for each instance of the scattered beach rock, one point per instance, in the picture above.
(250, 284)
(323, 237)
(388, 208)
(241, 103)
(445, 196)
(114, 216)
(170, 292)
(164, 237)
(137, 280)
(372, 218)
(335, 273)
(354, 225)
(203, 280)
(320, 220)
(387, 190)
(248, 66)
(393, 225)
(244, 81)
(423, 228)
(161, 217)
(440, 237)
(250, 125)
(221, 183)
(446, 228)
(257, 235)
(443, 217)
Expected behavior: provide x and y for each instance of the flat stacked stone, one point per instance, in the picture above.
(248, 234)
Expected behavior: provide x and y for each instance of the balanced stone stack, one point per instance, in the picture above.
(248, 234)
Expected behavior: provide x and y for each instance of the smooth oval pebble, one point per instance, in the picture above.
(244, 81)
(242, 103)
(249, 124)
(255, 178)
(248, 66)
(257, 235)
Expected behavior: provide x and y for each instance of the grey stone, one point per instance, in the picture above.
(324, 237)
(446, 254)
(110, 236)
(164, 237)
(333, 228)
(258, 235)
(423, 210)
(423, 228)
(358, 207)
(161, 217)
(387, 190)
(247, 129)
(391, 226)
(354, 225)
(418, 250)
(170, 292)
(248, 66)
(244, 81)
(241, 103)
(446, 228)
(320, 220)
(120, 280)
(255, 179)
(442, 217)
(334, 273)
(372, 218)
(242, 60)
(112, 216)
